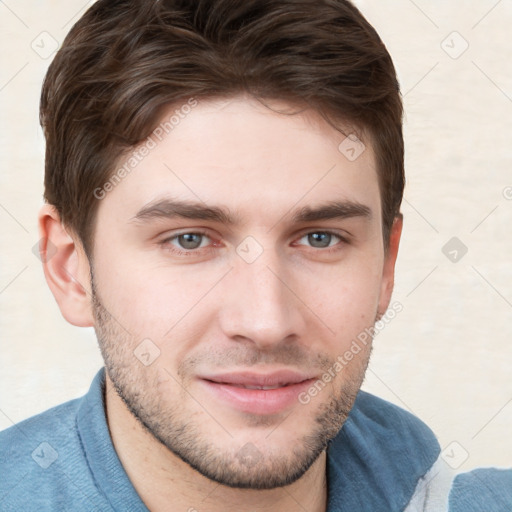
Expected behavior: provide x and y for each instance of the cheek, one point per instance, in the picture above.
(155, 302)
(346, 300)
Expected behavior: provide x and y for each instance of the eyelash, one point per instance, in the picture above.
(166, 244)
(191, 252)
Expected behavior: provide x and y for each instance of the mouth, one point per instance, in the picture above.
(256, 387)
(258, 393)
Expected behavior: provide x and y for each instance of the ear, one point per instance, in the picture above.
(388, 273)
(66, 268)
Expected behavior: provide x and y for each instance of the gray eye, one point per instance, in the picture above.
(190, 240)
(319, 239)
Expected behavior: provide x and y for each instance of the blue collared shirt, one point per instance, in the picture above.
(383, 459)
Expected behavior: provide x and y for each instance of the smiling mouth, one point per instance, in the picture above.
(260, 387)
(262, 394)
(249, 386)
(266, 381)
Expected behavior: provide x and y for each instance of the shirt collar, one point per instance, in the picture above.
(374, 463)
(377, 458)
(106, 468)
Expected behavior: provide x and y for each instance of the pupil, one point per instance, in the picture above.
(190, 240)
(319, 239)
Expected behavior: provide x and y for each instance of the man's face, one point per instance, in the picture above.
(212, 325)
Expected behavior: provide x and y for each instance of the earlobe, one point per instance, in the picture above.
(388, 275)
(66, 268)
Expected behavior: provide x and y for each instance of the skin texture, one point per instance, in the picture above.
(283, 299)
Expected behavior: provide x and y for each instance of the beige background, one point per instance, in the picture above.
(447, 356)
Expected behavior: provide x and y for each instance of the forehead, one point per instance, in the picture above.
(254, 160)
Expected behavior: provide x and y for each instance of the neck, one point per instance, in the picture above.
(163, 480)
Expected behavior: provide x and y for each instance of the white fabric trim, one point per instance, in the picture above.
(433, 489)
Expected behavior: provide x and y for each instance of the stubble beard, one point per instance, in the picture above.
(244, 467)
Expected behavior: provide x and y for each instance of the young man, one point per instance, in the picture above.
(223, 186)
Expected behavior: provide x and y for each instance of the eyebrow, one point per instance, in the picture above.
(171, 208)
(333, 210)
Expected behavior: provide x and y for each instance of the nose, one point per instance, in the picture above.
(259, 304)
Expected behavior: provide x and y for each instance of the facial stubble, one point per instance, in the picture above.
(245, 466)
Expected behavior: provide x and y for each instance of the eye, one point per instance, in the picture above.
(321, 239)
(190, 240)
(185, 243)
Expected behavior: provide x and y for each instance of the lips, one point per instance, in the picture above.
(258, 393)
(250, 380)
(260, 387)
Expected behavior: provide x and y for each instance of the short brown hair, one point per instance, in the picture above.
(125, 61)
